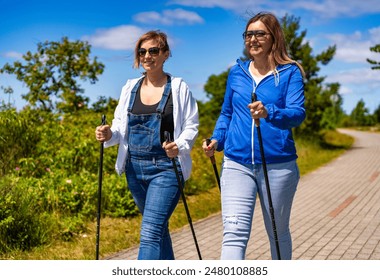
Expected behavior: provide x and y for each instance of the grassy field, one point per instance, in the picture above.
(118, 233)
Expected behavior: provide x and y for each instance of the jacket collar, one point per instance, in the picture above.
(245, 65)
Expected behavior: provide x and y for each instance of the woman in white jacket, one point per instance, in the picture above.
(148, 106)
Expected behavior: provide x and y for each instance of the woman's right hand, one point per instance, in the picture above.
(210, 148)
(103, 133)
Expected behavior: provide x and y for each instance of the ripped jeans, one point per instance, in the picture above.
(240, 185)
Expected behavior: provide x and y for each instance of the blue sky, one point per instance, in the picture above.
(205, 38)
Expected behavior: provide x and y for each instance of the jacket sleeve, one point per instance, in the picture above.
(117, 121)
(187, 120)
(294, 112)
(224, 119)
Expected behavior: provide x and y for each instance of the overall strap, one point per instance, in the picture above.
(165, 96)
(133, 94)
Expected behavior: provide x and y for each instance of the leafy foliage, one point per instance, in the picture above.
(18, 138)
(49, 167)
(376, 64)
(360, 115)
(23, 224)
(318, 96)
(53, 72)
(52, 179)
(376, 114)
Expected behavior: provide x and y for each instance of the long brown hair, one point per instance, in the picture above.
(279, 52)
(155, 35)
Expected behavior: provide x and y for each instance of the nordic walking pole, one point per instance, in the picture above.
(212, 159)
(99, 192)
(258, 129)
(180, 186)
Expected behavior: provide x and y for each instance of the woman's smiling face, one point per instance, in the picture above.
(151, 61)
(259, 44)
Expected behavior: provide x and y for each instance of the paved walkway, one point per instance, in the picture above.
(336, 214)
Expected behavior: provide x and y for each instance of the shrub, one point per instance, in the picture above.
(117, 199)
(22, 223)
(17, 139)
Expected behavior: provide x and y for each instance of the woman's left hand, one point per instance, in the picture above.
(171, 149)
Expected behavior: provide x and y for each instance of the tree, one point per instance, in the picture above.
(318, 96)
(103, 104)
(215, 88)
(7, 90)
(360, 115)
(376, 64)
(53, 71)
(376, 114)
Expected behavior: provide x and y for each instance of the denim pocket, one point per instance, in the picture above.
(164, 164)
(140, 138)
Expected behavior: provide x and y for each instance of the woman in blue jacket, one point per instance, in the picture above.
(277, 81)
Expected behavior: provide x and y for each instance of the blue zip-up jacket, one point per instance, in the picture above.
(282, 94)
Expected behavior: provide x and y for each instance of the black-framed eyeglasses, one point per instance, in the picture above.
(259, 34)
(152, 51)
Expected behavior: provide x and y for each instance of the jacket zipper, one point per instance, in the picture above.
(253, 122)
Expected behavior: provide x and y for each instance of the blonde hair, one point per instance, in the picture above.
(279, 52)
(155, 35)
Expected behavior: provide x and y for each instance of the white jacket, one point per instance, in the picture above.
(186, 121)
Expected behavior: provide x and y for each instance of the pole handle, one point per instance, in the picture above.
(208, 141)
(213, 161)
(212, 158)
(167, 136)
(254, 99)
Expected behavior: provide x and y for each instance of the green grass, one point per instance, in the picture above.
(120, 233)
(313, 154)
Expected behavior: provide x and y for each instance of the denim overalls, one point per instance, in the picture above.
(151, 179)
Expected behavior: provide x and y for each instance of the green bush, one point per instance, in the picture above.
(33, 211)
(50, 189)
(117, 199)
(334, 140)
(17, 139)
(22, 223)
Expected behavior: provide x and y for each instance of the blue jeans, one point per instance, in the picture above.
(240, 185)
(154, 187)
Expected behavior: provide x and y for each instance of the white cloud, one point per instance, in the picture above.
(332, 8)
(227, 4)
(358, 84)
(233, 5)
(169, 17)
(12, 54)
(122, 37)
(357, 76)
(343, 90)
(354, 47)
(375, 35)
(321, 8)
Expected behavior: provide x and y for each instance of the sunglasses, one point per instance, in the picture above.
(259, 34)
(152, 51)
